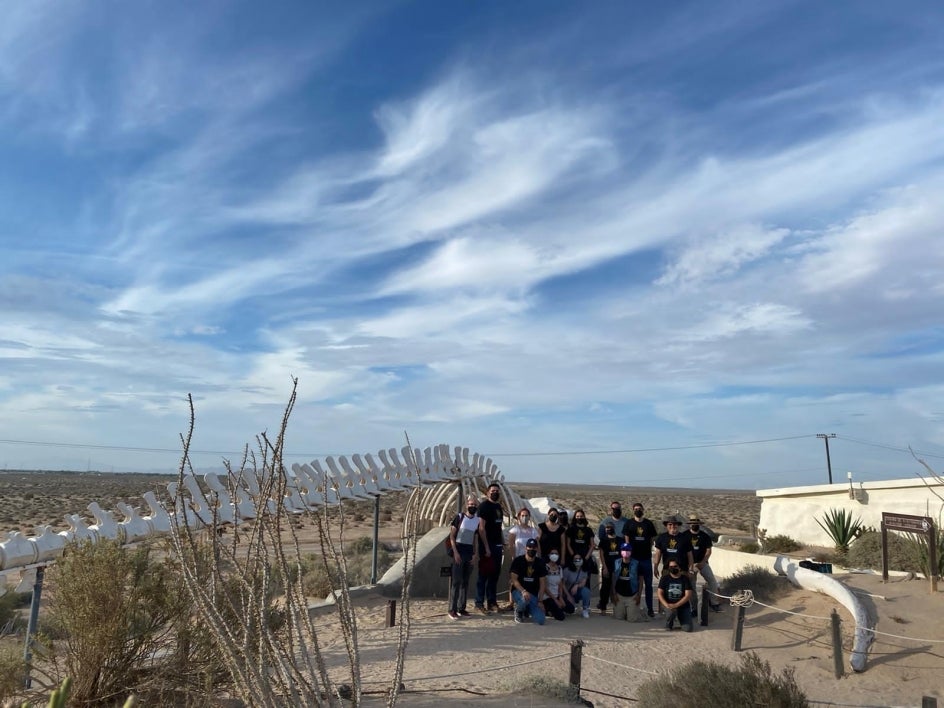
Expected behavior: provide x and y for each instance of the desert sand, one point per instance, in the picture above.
(481, 660)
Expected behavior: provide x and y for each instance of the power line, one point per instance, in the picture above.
(646, 449)
(889, 447)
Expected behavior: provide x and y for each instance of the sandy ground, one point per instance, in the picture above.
(480, 660)
(488, 654)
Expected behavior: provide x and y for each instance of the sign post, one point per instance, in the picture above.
(909, 523)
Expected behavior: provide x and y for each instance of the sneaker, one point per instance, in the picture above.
(481, 610)
(453, 615)
(493, 607)
(518, 618)
(586, 614)
(668, 628)
(463, 613)
(715, 608)
(650, 613)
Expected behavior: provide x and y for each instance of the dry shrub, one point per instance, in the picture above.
(120, 614)
(707, 684)
(764, 585)
(780, 543)
(12, 671)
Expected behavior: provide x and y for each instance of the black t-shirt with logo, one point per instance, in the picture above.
(674, 548)
(640, 533)
(700, 543)
(529, 572)
(611, 550)
(581, 538)
(551, 539)
(494, 517)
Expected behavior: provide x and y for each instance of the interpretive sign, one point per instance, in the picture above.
(909, 523)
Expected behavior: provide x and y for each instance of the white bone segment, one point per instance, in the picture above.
(811, 580)
(435, 479)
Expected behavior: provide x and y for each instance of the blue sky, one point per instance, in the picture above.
(524, 228)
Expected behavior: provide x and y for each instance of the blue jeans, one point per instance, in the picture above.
(486, 586)
(684, 615)
(532, 606)
(583, 597)
(645, 570)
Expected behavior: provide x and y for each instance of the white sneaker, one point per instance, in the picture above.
(586, 614)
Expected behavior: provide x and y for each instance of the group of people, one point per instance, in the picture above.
(553, 563)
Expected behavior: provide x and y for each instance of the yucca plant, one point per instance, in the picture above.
(841, 528)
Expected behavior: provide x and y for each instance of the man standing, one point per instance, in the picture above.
(615, 519)
(700, 542)
(625, 584)
(610, 545)
(675, 595)
(528, 584)
(491, 520)
(672, 546)
(639, 532)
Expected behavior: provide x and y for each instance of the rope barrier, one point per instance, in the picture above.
(478, 671)
(745, 598)
(622, 666)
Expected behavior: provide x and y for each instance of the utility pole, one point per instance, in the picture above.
(829, 467)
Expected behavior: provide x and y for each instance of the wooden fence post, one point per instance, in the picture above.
(391, 613)
(576, 657)
(837, 644)
(738, 629)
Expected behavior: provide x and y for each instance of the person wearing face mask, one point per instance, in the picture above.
(615, 519)
(625, 585)
(462, 534)
(609, 551)
(528, 574)
(491, 521)
(518, 535)
(557, 602)
(675, 595)
(701, 544)
(672, 546)
(552, 535)
(640, 532)
(577, 583)
(581, 541)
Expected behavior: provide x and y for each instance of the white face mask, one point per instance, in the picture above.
(554, 557)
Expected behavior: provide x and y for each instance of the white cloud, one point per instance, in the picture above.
(722, 254)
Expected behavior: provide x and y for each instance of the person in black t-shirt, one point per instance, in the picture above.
(610, 546)
(640, 532)
(701, 544)
(552, 536)
(528, 574)
(491, 520)
(581, 540)
(675, 595)
(672, 546)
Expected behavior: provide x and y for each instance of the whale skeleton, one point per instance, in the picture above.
(437, 478)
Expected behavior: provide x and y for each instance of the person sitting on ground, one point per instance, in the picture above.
(675, 595)
(557, 601)
(625, 585)
(609, 553)
(528, 574)
(577, 583)
(462, 533)
(552, 535)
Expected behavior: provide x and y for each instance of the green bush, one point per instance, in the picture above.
(707, 684)
(866, 552)
(749, 547)
(780, 543)
(841, 528)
